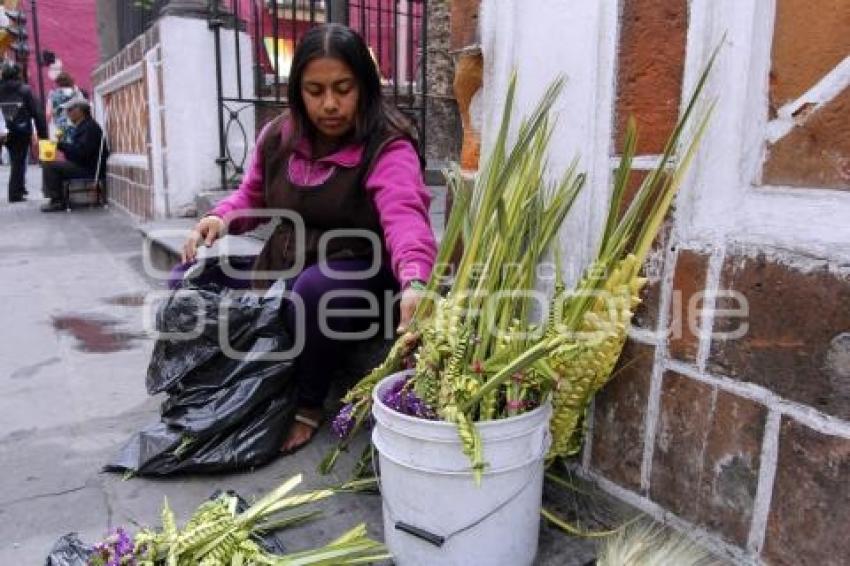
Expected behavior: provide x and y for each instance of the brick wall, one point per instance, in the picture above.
(732, 416)
(125, 108)
(651, 62)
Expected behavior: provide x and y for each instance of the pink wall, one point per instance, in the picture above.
(69, 29)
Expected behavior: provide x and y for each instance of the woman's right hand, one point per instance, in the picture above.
(208, 230)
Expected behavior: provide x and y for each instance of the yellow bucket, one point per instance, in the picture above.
(46, 150)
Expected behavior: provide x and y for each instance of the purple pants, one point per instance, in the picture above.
(322, 352)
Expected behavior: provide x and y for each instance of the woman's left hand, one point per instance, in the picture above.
(410, 298)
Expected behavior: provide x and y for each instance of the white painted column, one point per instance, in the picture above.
(402, 39)
(551, 38)
(191, 125)
(162, 208)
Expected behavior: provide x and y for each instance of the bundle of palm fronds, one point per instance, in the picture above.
(479, 355)
(217, 534)
(647, 544)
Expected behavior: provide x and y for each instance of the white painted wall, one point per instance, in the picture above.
(189, 84)
(723, 202)
(577, 39)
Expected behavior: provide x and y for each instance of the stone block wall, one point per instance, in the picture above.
(745, 437)
(442, 137)
(731, 418)
(130, 188)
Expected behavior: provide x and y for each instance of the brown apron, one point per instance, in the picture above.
(339, 203)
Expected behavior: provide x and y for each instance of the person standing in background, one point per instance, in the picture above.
(3, 131)
(57, 118)
(20, 109)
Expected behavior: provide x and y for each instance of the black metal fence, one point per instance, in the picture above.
(395, 30)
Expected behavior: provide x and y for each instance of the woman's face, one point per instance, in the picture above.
(330, 93)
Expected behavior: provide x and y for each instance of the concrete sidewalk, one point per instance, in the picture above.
(73, 356)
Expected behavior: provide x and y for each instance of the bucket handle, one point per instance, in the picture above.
(427, 536)
(440, 540)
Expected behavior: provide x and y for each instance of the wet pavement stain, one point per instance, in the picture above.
(31, 370)
(129, 300)
(94, 334)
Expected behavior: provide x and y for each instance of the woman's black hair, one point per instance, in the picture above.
(374, 114)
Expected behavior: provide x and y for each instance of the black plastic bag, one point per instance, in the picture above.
(160, 450)
(209, 287)
(173, 360)
(69, 550)
(222, 413)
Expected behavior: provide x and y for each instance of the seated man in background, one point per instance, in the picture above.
(84, 152)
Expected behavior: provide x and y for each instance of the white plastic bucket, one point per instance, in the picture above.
(434, 514)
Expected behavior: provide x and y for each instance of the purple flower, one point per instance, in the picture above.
(115, 550)
(344, 421)
(124, 544)
(392, 396)
(419, 408)
(405, 401)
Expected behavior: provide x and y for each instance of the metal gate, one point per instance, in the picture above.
(395, 31)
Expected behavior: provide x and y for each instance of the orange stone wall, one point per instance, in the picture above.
(811, 39)
(651, 63)
(469, 68)
(745, 436)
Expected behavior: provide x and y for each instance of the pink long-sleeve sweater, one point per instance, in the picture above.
(395, 185)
